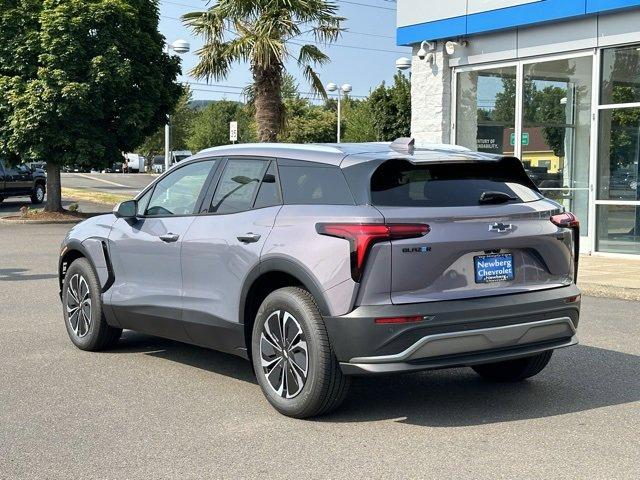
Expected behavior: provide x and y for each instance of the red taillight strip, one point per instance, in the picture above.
(565, 220)
(569, 220)
(362, 236)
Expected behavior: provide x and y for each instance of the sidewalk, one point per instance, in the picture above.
(609, 277)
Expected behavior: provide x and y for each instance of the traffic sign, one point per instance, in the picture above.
(525, 139)
(233, 131)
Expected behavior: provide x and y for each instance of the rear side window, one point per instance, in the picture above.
(314, 185)
(398, 183)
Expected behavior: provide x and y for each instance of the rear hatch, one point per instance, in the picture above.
(490, 230)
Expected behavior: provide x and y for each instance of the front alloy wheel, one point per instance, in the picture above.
(79, 306)
(82, 308)
(284, 354)
(38, 195)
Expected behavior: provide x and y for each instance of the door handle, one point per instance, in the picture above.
(249, 238)
(169, 238)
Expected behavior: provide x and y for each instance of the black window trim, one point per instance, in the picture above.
(203, 190)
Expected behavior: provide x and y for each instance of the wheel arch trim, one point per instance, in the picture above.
(290, 267)
(96, 252)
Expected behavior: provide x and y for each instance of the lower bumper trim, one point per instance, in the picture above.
(456, 360)
(453, 343)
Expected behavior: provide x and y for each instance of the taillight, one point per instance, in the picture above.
(566, 220)
(362, 236)
(569, 220)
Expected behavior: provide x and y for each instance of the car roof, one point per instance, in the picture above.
(336, 153)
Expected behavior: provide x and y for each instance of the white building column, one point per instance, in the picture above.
(431, 97)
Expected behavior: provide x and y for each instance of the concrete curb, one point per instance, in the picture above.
(608, 291)
(10, 221)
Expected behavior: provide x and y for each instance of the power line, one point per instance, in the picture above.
(366, 5)
(351, 32)
(340, 45)
(219, 85)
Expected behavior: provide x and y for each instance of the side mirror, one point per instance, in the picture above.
(127, 209)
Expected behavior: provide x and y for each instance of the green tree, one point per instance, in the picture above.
(210, 125)
(182, 117)
(262, 33)
(306, 123)
(357, 121)
(391, 109)
(97, 83)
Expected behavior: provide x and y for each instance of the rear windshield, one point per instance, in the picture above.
(398, 183)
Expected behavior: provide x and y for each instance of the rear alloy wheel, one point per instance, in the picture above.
(82, 304)
(284, 354)
(295, 365)
(38, 194)
(514, 370)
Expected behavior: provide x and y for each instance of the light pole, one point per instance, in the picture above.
(346, 88)
(180, 47)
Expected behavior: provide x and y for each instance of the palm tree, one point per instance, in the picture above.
(264, 33)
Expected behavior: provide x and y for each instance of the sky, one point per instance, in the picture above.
(364, 56)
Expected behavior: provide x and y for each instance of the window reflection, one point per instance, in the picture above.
(619, 228)
(620, 75)
(486, 110)
(556, 130)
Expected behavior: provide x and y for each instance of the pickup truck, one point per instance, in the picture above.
(22, 181)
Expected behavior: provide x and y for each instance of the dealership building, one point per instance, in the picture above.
(553, 82)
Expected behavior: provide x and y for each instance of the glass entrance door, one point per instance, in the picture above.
(541, 112)
(556, 130)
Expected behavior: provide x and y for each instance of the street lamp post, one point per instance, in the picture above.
(180, 47)
(346, 88)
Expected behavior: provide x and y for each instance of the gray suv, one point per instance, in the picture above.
(320, 262)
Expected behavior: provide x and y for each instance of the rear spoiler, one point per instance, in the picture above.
(516, 167)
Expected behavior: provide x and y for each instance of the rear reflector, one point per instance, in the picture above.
(574, 299)
(362, 236)
(400, 320)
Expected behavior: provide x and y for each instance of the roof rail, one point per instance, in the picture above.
(404, 145)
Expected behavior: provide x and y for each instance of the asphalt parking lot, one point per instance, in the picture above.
(122, 183)
(153, 408)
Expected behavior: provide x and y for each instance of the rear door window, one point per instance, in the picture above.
(314, 185)
(398, 183)
(238, 185)
(269, 192)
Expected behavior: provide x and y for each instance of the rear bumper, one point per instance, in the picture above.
(455, 333)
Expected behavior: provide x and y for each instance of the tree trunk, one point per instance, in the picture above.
(54, 189)
(267, 84)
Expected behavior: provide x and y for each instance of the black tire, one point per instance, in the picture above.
(99, 335)
(514, 370)
(325, 386)
(38, 194)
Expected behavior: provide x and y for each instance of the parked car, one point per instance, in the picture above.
(319, 262)
(180, 155)
(158, 164)
(22, 181)
(134, 163)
